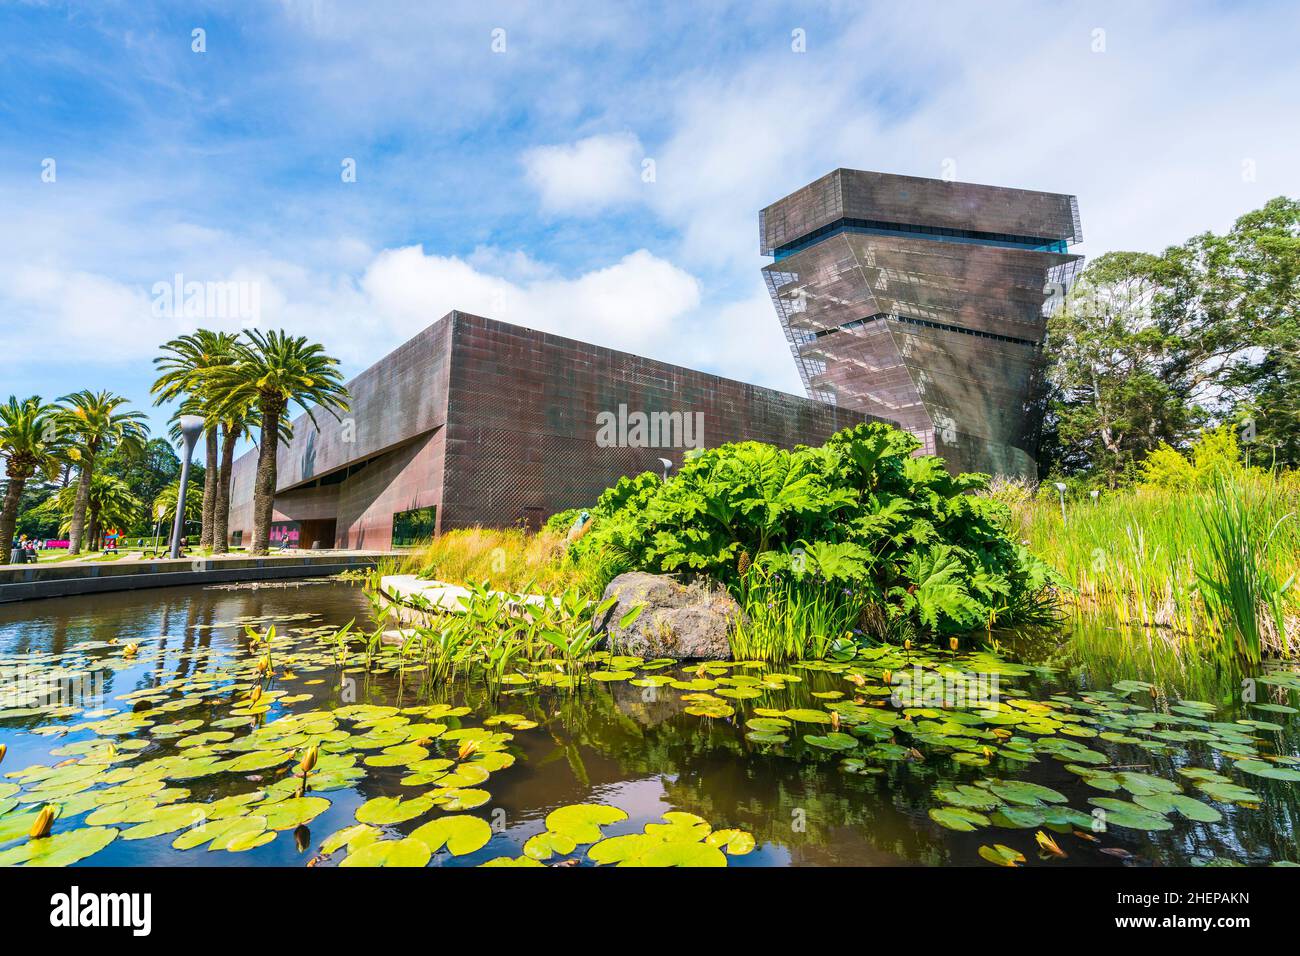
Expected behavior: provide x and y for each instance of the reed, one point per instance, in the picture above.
(786, 620)
(1201, 563)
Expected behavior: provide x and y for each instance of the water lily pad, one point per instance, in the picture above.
(958, 818)
(353, 837)
(386, 810)
(546, 844)
(460, 834)
(1259, 768)
(409, 852)
(294, 812)
(1002, 855)
(60, 849)
(581, 822)
(735, 842)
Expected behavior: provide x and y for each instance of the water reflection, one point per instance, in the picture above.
(636, 748)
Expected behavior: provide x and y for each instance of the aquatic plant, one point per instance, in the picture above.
(1238, 586)
(790, 619)
(860, 512)
(1134, 555)
(210, 754)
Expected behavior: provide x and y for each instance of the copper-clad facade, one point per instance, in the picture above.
(481, 422)
(924, 302)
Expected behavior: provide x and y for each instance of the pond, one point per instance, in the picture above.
(165, 736)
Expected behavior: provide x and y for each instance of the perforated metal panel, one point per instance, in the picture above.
(941, 332)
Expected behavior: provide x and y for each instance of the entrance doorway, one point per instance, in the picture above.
(318, 533)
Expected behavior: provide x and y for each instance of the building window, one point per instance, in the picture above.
(414, 526)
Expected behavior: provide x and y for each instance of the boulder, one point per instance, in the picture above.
(682, 621)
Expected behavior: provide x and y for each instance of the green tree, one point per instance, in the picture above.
(165, 503)
(1119, 373)
(184, 369)
(146, 471)
(271, 372)
(1245, 286)
(236, 422)
(28, 445)
(1151, 348)
(95, 422)
(109, 504)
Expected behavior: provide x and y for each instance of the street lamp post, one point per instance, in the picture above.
(191, 426)
(159, 512)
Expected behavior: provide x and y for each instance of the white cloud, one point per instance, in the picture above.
(1151, 134)
(587, 176)
(633, 304)
(638, 303)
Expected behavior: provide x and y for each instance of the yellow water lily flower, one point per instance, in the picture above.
(1048, 844)
(44, 820)
(308, 761)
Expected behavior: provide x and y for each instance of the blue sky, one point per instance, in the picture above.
(505, 172)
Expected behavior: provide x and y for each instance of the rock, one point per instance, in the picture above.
(686, 622)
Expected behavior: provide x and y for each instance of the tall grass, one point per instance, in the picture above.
(785, 620)
(1242, 592)
(1209, 562)
(510, 560)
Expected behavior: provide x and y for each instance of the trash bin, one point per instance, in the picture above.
(17, 556)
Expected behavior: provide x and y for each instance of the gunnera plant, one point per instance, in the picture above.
(860, 513)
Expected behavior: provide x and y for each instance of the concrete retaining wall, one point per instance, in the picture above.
(25, 582)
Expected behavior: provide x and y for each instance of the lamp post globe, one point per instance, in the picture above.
(191, 428)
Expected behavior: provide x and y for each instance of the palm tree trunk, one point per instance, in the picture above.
(221, 511)
(9, 515)
(209, 486)
(264, 484)
(78, 526)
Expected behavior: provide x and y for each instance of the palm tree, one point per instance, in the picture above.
(109, 503)
(183, 370)
(236, 422)
(271, 371)
(28, 444)
(165, 503)
(94, 422)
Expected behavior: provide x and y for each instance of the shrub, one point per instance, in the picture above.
(1215, 456)
(859, 512)
(560, 522)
